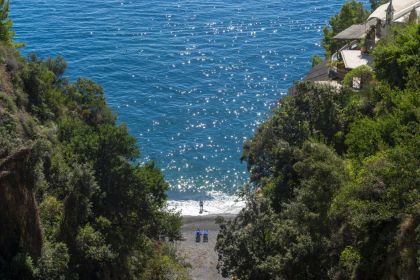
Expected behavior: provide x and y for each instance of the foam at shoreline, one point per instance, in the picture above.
(218, 204)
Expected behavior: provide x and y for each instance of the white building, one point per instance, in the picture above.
(360, 40)
(355, 53)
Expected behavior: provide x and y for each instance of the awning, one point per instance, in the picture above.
(355, 58)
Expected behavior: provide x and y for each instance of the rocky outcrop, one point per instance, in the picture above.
(19, 218)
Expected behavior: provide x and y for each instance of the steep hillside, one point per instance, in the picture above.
(334, 190)
(73, 202)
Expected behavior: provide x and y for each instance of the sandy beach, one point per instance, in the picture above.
(201, 256)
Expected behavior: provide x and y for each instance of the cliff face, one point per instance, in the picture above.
(19, 219)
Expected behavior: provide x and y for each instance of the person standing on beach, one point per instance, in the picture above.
(201, 206)
(197, 235)
(205, 235)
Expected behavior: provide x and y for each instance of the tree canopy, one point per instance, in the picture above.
(351, 12)
(74, 203)
(334, 174)
(376, 3)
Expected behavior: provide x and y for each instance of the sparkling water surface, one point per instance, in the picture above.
(191, 79)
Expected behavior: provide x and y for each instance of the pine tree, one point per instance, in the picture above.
(6, 32)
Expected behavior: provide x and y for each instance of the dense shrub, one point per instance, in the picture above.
(336, 177)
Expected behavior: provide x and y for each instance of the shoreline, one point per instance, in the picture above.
(218, 205)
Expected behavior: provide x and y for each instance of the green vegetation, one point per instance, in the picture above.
(397, 57)
(333, 192)
(6, 34)
(73, 202)
(351, 13)
(316, 59)
(334, 179)
(376, 3)
(364, 73)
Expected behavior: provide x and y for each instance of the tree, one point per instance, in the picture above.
(6, 34)
(364, 138)
(350, 13)
(315, 110)
(336, 180)
(245, 242)
(376, 3)
(291, 244)
(53, 263)
(397, 57)
(383, 202)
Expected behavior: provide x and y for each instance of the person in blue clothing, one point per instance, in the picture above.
(205, 235)
(197, 235)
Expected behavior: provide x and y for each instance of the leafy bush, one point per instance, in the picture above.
(396, 58)
(53, 263)
(364, 73)
(165, 266)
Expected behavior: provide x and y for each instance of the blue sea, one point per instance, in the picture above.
(192, 80)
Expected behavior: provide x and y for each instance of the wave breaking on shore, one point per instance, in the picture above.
(219, 204)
